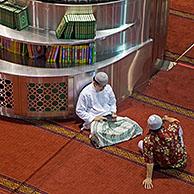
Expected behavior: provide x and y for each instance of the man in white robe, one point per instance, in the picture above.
(96, 101)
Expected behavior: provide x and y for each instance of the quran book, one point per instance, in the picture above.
(7, 16)
(61, 27)
(70, 27)
(13, 16)
(21, 18)
(77, 26)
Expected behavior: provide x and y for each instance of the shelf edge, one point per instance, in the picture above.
(43, 37)
(20, 70)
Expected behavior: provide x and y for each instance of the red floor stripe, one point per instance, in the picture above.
(186, 65)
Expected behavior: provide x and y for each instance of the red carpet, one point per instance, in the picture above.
(53, 157)
(175, 86)
(180, 30)
(180, 5)
(26, 147)
(80, 169)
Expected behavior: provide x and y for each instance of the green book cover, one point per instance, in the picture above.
(61, 27)
(72, 27)
(86, 26)
(82, 27)
(1, 13)
(21, 18)
(92, 26)
(69, 30)
(9, 16)
(13, 17)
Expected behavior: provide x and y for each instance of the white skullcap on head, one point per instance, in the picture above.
(154, 122)
(101, 78)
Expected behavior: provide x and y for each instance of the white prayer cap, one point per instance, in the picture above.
(154, 122)
(101, 78)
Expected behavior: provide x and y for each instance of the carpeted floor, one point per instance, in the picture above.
(53, 157)
(180, 31)
(173, 86)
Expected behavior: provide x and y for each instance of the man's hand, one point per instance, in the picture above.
(170, 119)
(114, 116)
(165, 118)
(149, 171)
(148, 183)
(100, 118)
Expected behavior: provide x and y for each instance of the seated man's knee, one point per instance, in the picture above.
(140, 145)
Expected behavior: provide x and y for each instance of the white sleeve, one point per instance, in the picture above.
(81, 109)
(181, 135)
(112, 101)
(180, 131)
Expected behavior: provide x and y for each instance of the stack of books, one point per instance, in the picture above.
(36, 51)
(49, 56)
(71, 55)
(77, 26)
(11, 57)
(13, 46)
(13, 16)
(23, 49)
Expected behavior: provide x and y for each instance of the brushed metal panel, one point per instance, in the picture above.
(140, 70)
(80, 81)
(113, 45)
(132, 71)
(20, 70)
(44, 37)
(108, 15)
